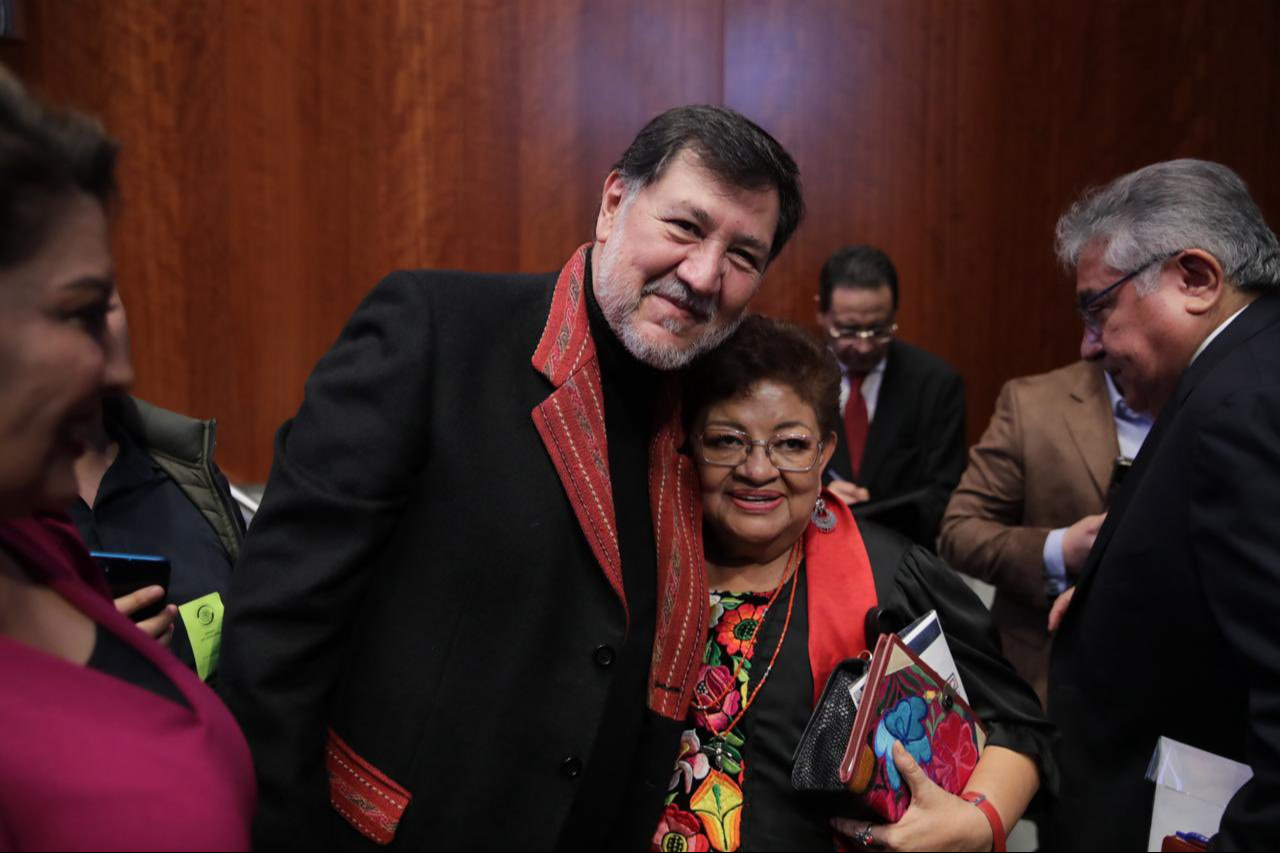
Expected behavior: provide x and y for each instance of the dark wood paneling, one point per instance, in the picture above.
(953, 134)
(280, 157)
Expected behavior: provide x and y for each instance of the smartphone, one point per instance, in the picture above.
(128, 573)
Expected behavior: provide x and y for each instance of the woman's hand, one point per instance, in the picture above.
(935, 820)
(159, 626)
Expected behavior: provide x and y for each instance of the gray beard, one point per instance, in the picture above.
(619, 311)
(666, 356)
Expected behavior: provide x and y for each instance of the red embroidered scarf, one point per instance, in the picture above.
(841, 591)
(571, 424)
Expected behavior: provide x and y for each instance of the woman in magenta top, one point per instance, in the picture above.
(106, 740)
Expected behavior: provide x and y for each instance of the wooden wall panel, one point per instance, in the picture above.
(282, 156)
(953, 134)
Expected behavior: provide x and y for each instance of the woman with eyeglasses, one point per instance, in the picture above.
(789, 570)
(107, 742)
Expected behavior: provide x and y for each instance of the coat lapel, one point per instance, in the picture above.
(887, 421)
(1115, 513)
(676, 505)
(1092, 426)
(571, 420)
(572, 427)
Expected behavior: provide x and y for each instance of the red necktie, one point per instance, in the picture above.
(856, 422)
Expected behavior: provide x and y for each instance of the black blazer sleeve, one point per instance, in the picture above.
(343, 468)
(1234, 518)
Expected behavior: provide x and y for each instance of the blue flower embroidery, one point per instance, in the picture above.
(905, 722)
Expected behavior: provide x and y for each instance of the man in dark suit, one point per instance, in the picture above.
(471, 609)
(903, 446)
(1172, 626)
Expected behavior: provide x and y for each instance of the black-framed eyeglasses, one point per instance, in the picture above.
(1090, 307)
(789, 451)
(875, 334)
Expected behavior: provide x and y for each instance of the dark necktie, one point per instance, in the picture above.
(856, 422)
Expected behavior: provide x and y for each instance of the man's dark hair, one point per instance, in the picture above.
(47, 157)
(766, 349)
(734, 149)
(857, 266)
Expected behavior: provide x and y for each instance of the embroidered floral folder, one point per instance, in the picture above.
(907, 701)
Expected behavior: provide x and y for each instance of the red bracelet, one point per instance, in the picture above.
(993, 818)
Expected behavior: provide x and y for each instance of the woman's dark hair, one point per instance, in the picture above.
(766, 349)
(734, 149)
(47, 157)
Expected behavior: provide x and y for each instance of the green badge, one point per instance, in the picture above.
(203, 618)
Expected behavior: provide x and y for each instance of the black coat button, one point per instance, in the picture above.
(604, 656)
(571, 767)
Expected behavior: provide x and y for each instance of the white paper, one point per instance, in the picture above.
(1193, 788)
(924, 637)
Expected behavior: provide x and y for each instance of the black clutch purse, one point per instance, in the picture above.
(815, 765)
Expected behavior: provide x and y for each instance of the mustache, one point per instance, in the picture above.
(701, 306)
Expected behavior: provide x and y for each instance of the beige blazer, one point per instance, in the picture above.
(1044, 462)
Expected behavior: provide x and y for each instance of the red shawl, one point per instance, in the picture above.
(571, 424)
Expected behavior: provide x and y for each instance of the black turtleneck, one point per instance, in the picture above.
(622, 788)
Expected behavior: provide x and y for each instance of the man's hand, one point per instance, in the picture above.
(1059, 609)
(1078, 541)
(159, 626)
(935, 820)
(850, 493)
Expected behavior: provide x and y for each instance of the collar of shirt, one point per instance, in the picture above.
(870, 387)
(1120, 409)
(1131, 427)
(1205, 344)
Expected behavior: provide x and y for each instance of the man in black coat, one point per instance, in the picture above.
(1172, 627)
(903, 447)
(470, 611)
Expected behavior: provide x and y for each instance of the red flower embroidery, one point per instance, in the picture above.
(883, 799)
(679, 831)
(737, 630)
(716, 698)
(954, 754)
(887, 803)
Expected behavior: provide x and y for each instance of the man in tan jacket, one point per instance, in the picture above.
(1031, 501)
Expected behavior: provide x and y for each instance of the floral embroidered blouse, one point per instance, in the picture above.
(710, 769)
(734, 792)
(706, 803)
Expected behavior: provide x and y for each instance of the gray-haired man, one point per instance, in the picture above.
(1172, 630)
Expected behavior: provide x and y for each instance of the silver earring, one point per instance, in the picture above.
(823, 518)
